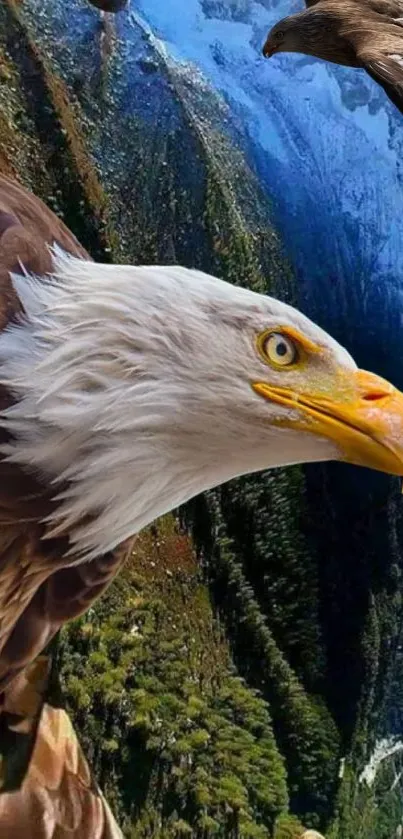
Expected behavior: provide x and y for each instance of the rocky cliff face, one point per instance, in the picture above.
(160, 135)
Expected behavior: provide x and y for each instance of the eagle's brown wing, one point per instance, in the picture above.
(27, 228)
(58, 798)
(380, 52)
(39, 589)
(27, 231)
(392, 9)
(387, 73)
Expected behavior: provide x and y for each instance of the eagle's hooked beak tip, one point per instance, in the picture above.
(365, 422)
(267, 51)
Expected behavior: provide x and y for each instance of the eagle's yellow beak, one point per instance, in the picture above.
(364, 418)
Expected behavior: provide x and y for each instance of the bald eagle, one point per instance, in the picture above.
(125, 391)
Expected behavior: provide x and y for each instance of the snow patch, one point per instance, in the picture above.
(312, 143)
(384, 749)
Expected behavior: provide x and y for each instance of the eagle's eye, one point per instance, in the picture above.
(279, 349)
(279, 35)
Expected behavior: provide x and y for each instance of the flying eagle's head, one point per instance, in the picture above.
(284, 36)
(311, 31)
(137, 387)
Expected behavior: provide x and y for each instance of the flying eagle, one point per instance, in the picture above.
(111, 6)
(356, 33)
(126, 390)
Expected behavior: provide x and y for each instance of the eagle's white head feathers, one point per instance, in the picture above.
(138, 387)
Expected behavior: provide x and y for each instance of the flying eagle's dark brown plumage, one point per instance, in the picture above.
(111, 6)
(355, 33)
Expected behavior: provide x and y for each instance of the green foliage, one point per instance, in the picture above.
(304, 728)
(281, 569)
(161, 710)
(288, 827)
(370, 811)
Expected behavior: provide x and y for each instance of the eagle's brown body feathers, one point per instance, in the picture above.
(39, 590)
(58, 798)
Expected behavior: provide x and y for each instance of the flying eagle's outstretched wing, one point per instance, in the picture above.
(381, 54)
(393, 9)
